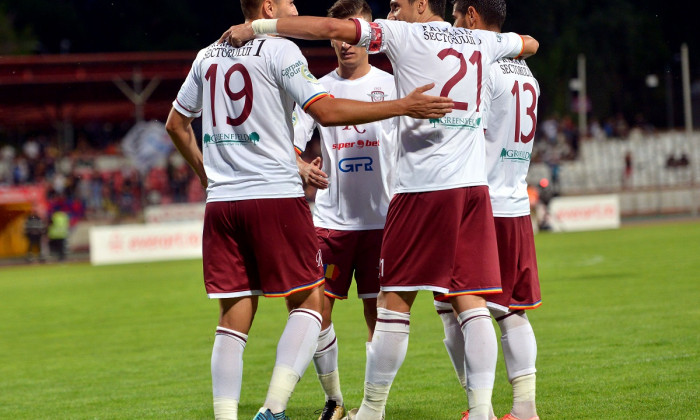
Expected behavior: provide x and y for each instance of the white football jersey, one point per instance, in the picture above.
(357, 158)
(246, 98)
(439, 154)
(510, 104)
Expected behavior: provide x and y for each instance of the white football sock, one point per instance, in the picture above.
(481, 350)
(294, 352)
(326, 364)
(385, 355)
(520, 354)
(227, 372)
(454, 340)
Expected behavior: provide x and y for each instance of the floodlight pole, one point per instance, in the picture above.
(687, 109)
(582, 99)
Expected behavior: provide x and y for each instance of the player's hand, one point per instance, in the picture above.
(312, 174)
(422, 106)
(238, 35)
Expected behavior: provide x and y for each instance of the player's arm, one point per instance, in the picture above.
(329, 111)
(530, 46)
(179, 127)
(302, 27)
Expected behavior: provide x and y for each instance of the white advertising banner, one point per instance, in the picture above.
(144, 243)
(591, 212)
(185, 212)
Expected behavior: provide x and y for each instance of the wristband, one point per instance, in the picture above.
(264, 26)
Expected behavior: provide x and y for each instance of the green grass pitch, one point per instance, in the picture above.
(617, 335)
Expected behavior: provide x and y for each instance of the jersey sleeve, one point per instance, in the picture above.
(189, 100)
(488, 96)
(292, 73)
(303, 128)
(381, 36)
(502, 45)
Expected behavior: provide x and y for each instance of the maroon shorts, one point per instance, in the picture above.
(518, 263)
(351, 251)
(263, 246)
(442, 241)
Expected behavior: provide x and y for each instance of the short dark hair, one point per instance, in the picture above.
(436, 6)
(250, 8)
(493, 12)
(343, 9)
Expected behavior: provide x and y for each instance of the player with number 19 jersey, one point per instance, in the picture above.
(246, 145)
(358, 159)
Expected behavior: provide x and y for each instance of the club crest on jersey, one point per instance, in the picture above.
(307, 74)
(377, 95)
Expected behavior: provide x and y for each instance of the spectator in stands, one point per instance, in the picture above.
(628, 170)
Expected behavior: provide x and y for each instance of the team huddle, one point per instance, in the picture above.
(421, 187)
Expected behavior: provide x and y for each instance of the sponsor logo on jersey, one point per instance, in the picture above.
(356, 164)
(360, 144)
(367, 143)
(295, 119)
(377, 95)
(231, 138)
(292, 70)
(455, 123)
(515, 155)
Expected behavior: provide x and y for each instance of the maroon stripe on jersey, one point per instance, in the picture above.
(472, 318)
(184, 107)
(444, 311)
(328, 346)
(394, 321)
(358, 30)
(231, 334)
(312, 314)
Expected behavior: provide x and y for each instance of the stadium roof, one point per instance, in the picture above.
(41, 91)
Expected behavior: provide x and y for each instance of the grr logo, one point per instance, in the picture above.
(357, 164)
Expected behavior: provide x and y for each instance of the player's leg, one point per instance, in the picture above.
(228, 277)
(369, 309)
(386, 352)
(326, 364)
(454, 338)
(520, 353)
(296, 346)
(337, 250)
(367, 256)
(521, 290)
(288, 262)
(235, 318)
(476, 274)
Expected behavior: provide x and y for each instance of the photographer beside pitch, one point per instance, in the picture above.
(440, 233)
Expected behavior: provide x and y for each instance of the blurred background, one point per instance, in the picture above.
(85, 87)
